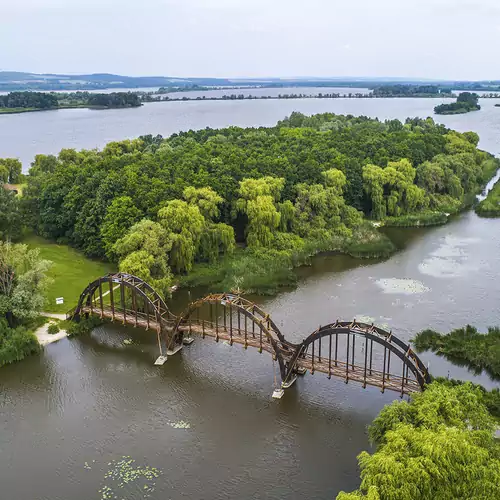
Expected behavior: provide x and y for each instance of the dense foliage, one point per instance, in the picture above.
(490, 206)
(440, 445)
(410, 91)
(38, 100)
(10, 215)
(466, 101)
(16, 343)
(158, 206)
(22, 282)
(10, 170)
(45, 100)
(465, 345)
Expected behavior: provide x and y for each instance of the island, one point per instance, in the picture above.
(22, 102)
(411, 91)
(466, 102)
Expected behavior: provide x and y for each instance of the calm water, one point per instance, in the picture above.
(95, 398)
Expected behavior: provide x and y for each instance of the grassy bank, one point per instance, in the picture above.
(10, 111)
(490, 206)
(465, 346)
(71, 272)
(266, 271)
(417, 220)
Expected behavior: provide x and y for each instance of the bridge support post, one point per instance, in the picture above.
(278, 393)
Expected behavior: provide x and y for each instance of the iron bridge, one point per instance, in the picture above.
(350, 350)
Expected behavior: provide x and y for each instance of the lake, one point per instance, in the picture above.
(95, 398)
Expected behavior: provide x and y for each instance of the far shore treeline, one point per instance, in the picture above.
(239, 208)
(38, 101)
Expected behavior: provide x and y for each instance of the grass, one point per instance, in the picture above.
(71, 272)
(9, 111)
(417, 220)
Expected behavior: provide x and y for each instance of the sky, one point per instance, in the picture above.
(442, 39)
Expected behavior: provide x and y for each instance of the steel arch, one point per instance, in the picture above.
(147, 292)
(386, 339)
(275, 342)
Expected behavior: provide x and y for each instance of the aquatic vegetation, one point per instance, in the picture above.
(402, 286)
(126, 480)
(180, 425)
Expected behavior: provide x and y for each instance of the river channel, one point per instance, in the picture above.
(206, 418)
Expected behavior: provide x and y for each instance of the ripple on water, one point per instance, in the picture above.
(450, 259)
(403, 286)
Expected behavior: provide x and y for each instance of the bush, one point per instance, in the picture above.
(53, 329)
(367, 242)
(85, 325)
(16, 343)
(465, 346)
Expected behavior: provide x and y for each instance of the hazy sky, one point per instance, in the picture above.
(457, 39)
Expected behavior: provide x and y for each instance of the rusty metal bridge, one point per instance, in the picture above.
(350, 350)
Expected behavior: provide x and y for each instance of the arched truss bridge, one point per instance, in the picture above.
(351, 350)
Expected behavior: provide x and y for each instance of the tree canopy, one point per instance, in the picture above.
(300, 187)
(440, 445)
(23, 278)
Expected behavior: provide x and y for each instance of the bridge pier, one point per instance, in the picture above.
(161, 360)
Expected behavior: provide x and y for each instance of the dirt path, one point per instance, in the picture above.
(42, 334)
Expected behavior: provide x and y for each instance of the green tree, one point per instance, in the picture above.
(14, 170)
(144, 251)
(23, 280)
(206, 199)
(120, 216)
(10, 216)
(441, 445)
(184, 224)
(258, 200)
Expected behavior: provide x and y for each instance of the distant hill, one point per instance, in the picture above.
(15, 80)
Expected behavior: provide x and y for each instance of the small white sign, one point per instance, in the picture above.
(60, 300)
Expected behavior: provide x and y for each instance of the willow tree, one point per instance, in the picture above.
(185, 224)
(144, 252)
(258, 199)
(321, 211)
(392, 189)
(373, 182)
(441, 445)
(216, 238)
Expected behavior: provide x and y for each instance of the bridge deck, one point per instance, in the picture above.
(258, 340)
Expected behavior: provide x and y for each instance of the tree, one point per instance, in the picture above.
(441, 445)
(120, 216)
(14, 169)
(206, 199)
(10, 216)
(184, 224)
(143, 252)
(23, 280)
(257, 200)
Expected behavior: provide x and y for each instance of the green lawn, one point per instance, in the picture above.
(71, 272)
